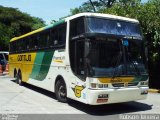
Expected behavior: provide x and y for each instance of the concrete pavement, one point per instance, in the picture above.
(32, 100)
(25, 100)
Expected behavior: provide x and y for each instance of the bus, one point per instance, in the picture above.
(92, 58)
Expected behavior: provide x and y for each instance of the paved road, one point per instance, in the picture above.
(28, 99)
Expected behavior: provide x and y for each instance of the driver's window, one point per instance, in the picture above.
(80, 58)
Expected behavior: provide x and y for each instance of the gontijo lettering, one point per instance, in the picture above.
(24, 58)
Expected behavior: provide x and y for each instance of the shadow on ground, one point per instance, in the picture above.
(4, 74)
(111, 109)
(101, 110)
(37, 89)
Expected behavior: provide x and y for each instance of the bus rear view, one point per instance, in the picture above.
(107, 54)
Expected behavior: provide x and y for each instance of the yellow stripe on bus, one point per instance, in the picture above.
(116, 79)
(28, 34)
(59, 61)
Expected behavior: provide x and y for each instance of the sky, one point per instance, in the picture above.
(46, 9)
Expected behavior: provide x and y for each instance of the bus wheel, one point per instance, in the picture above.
(19, 79)
(15, 73)
(61, 91)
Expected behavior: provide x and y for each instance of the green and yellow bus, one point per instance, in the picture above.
(88, 57)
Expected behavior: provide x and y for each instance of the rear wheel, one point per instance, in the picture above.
(19, 78)
(61, 91)
(15, 73)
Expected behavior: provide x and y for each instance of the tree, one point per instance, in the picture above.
(15, 23)
(93, 6)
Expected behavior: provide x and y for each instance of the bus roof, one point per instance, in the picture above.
(76, 16)
(102, 15)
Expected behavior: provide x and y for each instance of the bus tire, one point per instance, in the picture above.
(15, 73)
(17, 78)
(61, 91)
(20, 82)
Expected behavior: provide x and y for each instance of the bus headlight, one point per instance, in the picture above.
(93, 85)
(100, 86)
(103, 85)
(144, 83)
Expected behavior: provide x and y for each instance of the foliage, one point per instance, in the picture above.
(90, 5)
(15, 23)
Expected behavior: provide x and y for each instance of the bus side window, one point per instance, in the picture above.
(77, 27)
(41, 41)
(27, 44)
(48, 38)
(31, 45)
(24, 44)
(35, 42)
(62, 34)
(19, 45)
(51, 42)
(53, 37)
(45, 39)
(38, 41)
(56, 42)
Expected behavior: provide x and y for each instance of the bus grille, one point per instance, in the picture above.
(118, 84)
(132, 83)
(125, 84)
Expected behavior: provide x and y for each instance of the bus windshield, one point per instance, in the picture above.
(111, 57)
(114, 27)
(110, 47)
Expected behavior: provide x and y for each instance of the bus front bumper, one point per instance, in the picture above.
(107, 96)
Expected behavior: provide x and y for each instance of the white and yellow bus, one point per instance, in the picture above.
(89, 57)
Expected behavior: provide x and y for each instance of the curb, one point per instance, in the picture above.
(4, 73)
(154, 91)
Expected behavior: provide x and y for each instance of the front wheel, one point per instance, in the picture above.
(61, 91)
